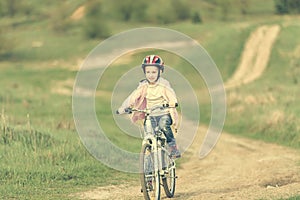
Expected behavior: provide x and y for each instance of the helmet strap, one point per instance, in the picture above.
(158, 75)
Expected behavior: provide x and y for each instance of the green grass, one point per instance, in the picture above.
(274, 112)
(40, 149)
(293, 198)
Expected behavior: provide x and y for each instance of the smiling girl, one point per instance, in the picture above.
(155, 91)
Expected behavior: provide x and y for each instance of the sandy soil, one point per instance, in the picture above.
(237, 168)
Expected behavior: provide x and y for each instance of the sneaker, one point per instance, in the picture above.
(175, 153)
(149, 185)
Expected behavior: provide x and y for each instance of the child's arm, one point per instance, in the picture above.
(131, 99)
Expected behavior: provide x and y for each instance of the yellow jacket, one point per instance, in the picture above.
(138, 99)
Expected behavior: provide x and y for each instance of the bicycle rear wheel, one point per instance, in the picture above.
(169, 177)
(150, 179)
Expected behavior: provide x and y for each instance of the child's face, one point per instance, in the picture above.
(151, 73)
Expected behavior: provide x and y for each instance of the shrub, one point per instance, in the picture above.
(181, 9)
(12, 7)
(127, 10)
(95, 26)
(287, 6)
(157, 11)
(196, 18)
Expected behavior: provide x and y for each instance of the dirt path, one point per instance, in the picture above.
(237, 168)
(255, 56)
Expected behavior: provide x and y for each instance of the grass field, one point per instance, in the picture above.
(40, 151)
(273, 107)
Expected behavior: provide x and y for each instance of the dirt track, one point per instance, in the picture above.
(237, 168)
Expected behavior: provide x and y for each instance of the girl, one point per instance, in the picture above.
(155, 91)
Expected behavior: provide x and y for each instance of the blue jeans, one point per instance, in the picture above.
(164, 123)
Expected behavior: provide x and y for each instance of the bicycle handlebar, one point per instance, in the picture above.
(130, 110)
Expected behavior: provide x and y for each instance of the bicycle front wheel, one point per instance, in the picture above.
(150, 179)
(169, 176)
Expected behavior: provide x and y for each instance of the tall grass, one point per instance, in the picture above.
(41, 153)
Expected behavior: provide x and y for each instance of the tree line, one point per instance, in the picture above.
(98, 13)
(158, 11)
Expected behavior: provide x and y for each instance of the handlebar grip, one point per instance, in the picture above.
(168, 105)
(128, 110)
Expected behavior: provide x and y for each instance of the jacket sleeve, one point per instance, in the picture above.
(131, 99)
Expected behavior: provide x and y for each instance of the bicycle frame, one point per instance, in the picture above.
(154, 137)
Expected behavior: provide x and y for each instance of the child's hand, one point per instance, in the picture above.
(122, 110)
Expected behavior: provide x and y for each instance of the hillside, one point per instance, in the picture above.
(238, 168)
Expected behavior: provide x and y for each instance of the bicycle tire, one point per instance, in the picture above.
(150, 178)
(169, 177)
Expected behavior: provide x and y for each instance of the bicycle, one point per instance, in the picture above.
(156, 163)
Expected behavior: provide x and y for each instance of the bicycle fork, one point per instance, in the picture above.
(157, 152)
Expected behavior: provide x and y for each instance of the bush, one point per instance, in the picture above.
(196, 18)
(127, 10)
(157, 11)
(124, 9)
(95, 25)
(181, 9)
(11, 8)
(95, 28)
(281, 6)
(287, 6)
